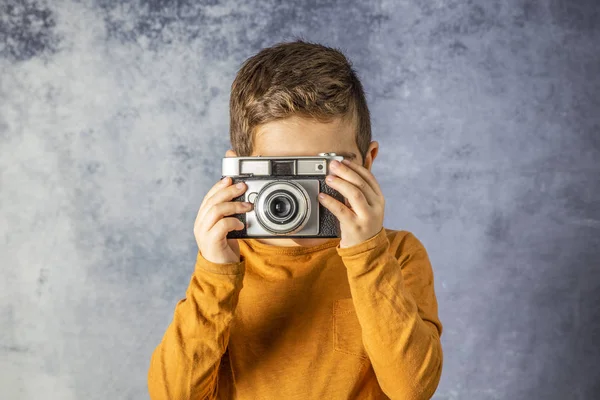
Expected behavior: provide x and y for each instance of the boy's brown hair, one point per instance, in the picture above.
(297, 78)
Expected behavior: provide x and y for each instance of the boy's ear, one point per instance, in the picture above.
(230, 153)
(371, 154)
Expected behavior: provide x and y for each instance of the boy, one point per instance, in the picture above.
(347, 318)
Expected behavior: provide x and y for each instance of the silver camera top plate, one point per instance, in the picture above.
(278, 165)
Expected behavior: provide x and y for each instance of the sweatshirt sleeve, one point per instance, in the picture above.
(185, 364)
(393, 294)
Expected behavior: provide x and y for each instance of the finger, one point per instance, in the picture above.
(220, 210)
(354, 195)
(339, 210)
(348, 174)
(216, 187)
(366, 175)
(224, 226)
(225, 193)
(226, 181)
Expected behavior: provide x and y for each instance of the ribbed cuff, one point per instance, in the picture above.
(369, 244)
(365, 256)
(222, 269)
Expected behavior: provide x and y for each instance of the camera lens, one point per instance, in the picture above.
(281, 207)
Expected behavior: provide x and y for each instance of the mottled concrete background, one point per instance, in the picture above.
(114, 117)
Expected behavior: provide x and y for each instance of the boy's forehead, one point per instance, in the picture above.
(298, 136)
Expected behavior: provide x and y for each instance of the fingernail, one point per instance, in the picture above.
(224, 180)
(334, 163)
(239, 185)
(321, 195)
(329, 178)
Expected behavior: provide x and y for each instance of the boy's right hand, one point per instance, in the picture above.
(213, 222)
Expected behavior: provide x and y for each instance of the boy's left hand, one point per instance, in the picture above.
(363, 217)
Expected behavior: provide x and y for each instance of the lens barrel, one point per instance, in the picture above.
(282, 207)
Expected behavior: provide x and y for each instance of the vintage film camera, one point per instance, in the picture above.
(284, 192)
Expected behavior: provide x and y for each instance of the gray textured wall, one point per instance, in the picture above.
(114, 117)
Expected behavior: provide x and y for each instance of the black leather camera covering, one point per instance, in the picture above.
(329, 226)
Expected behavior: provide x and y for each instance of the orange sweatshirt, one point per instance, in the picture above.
(316, 322)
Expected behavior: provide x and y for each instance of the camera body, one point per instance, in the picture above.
(284, 193)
